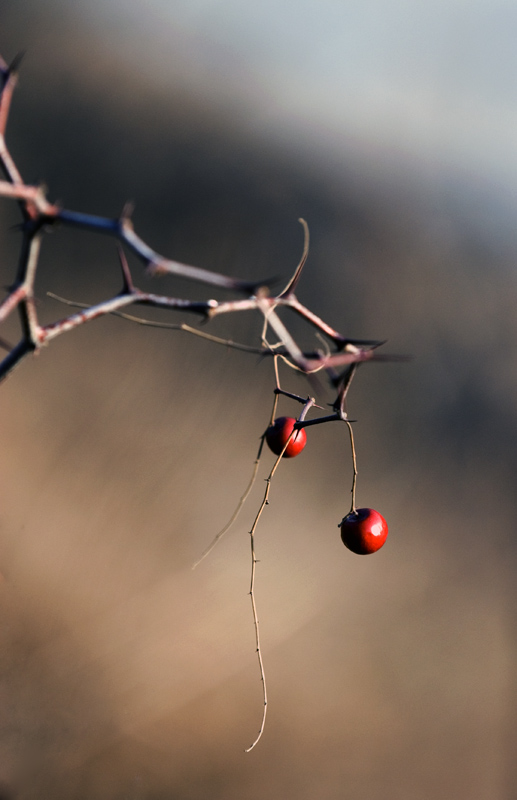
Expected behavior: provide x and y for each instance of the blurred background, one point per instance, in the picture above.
(388, 126)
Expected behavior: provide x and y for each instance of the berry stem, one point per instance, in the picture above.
(273, 413)
(354, 463)
(277, 376)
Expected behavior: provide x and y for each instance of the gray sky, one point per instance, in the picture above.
(431, 81)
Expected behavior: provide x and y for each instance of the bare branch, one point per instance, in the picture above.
(238, 509)
(252, 594)
(174, 326)
(156, 263)
(9, 79)
(10, 302)
(14, 358)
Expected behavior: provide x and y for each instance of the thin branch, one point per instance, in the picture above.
(14, 358)
(174, 326)
(309, 403)
(277, 386)
(313, 319)
(27, 275)
(156, 263)
(281, 331)
(49, 332)
(210, 308)
(252, 594)
(238, 509)
(10, 77)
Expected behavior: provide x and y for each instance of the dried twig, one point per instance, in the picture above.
(308, 404)
(237, 511)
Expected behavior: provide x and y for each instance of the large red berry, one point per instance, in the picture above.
(278, 433)
(364, 531)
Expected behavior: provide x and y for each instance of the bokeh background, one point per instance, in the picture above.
(390, 127)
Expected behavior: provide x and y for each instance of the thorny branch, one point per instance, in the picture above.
(39, 215)
(338, 357)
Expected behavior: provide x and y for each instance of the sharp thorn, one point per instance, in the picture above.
(15, 63)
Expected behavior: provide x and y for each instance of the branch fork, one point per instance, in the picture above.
(39, 215)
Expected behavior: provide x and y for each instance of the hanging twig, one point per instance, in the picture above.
(309, 403)
(238, 509)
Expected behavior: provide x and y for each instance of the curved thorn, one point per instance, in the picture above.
(291, 286)
(128, 286)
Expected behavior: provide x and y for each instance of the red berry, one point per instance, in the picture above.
(278, 433)
(364, 531)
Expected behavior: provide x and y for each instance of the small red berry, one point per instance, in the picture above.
(363, 531)
(278, 433)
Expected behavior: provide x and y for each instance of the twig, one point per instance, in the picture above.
(122, 229)
(175, 326)
(237, 511)
(265, 502)
(252, 594)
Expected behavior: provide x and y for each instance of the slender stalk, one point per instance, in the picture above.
(354, 463)
(123, 230)
(237, 511)
(254, 561)
(174, 326)
(308, 404)
(277, 378)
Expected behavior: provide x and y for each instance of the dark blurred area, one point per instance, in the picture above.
(125, 674)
